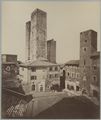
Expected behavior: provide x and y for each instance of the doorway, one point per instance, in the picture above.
(33, 87)
(41, 88)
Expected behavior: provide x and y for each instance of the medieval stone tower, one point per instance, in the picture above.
(28, 34)
(36, 35)
(51, 50)
(88, 45)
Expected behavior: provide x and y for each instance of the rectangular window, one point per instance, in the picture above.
(94, 67)
(84, 62)
(56, 68)
(33, 87)
(33, 69)
(94, 78)
(50, 68)
(33, 77)
(56, 75)
(68, 73)
(67, 86)
(76, 75)
(72, 75)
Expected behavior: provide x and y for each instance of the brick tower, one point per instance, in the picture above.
(88, 45)
(38, 45)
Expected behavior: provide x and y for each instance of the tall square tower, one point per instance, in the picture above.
(51, 51)
(38, 48)
(28, 35)
(88, 45)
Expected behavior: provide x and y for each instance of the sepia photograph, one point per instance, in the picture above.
(50, 59)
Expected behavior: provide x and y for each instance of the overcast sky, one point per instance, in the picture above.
(65, 21)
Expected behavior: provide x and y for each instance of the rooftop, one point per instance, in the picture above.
(95, 54)
(87, 31)
(38, 63)
(73, 63)
(38, 11)
(51, 40)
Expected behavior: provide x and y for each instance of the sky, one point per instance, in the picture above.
(65, 21)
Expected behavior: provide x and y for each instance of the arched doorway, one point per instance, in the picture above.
(77, 88)
(33, 87)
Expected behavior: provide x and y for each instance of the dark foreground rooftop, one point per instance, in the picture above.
(71, 108)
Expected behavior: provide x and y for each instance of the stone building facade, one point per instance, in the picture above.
(39, 75)
(72, 81)
(40, 56)
(84, 73)
(95, 75)
(51, 51)
(70, 76)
